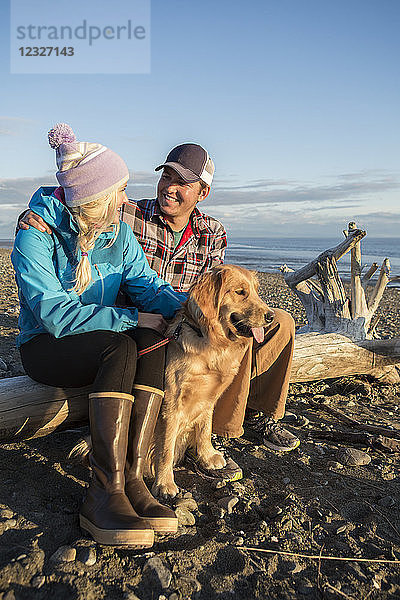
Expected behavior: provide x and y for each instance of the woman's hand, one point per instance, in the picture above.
(31, 219)
(152, 321)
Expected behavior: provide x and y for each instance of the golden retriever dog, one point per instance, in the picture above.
(210, 335)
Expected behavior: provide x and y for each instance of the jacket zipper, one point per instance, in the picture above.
(102, 284)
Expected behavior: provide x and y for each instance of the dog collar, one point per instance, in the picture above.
(178, 329)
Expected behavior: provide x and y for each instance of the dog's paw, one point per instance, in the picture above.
(164, 490)
(215, 461)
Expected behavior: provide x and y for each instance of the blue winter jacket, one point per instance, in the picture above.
(45, 271)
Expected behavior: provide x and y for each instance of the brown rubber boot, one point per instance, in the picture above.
(143, 421)
(106, 512)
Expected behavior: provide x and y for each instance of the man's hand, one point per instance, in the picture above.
(152, 321)
(31, 219)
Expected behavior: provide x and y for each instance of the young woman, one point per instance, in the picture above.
(72, 335)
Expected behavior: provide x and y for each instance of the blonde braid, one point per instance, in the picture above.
(92, 219)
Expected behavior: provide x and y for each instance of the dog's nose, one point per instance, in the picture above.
(269, 317)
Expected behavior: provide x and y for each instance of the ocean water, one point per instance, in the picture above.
(268, 254)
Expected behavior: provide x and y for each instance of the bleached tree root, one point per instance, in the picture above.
(321, 291)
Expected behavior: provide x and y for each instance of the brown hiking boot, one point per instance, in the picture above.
(143, 421)
(106, 512)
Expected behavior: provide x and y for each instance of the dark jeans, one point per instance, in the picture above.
(105, 359)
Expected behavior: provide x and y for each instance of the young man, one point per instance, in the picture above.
(180, 243)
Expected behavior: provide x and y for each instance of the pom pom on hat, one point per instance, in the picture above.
(61, 134)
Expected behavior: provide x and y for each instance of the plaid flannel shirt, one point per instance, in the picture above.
(202, 246)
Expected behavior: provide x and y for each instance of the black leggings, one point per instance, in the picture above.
(105, 359)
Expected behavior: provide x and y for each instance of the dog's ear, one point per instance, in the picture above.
(206, 294)
(256, 279)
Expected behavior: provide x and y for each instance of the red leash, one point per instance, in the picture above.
(159, 344)
(167, 340)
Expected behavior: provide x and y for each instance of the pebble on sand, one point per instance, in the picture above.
(185, 517)
(158, 569)
(64, 554)
(351, 457)
(186, 503)
(6, 513)
(228, 503)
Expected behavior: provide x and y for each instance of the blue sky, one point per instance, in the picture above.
(297, 101)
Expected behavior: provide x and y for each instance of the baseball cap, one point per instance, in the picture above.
(191, 162)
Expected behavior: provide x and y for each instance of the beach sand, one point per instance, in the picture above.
(304, 502)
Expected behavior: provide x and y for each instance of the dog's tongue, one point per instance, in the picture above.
(258, 333)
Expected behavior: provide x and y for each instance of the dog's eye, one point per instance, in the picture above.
(240, 292)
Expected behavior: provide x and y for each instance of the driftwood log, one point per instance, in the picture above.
(381, 442)
(29, 409)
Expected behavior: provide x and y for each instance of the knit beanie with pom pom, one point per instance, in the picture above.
(86, 171)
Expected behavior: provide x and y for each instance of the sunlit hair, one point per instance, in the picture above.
(93, 219)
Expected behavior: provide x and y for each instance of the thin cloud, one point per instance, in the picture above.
(13, 126)
(384, 216)
(16, 119)
(364, 174)
(277, 192)
(258, 183)
(277, 221)
(18, 191)
(143, 178)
